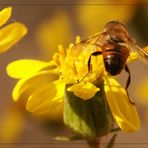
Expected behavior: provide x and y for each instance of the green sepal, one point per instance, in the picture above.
(88, 118)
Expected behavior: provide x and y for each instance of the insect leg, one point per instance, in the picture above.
(129, 77)
(128, 83)
(89, 62)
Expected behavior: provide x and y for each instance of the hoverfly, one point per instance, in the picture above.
(116, 46)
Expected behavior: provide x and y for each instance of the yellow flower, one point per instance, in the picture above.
(9, 36)
(142, 91)
(52, 30)
(43, 85)
(94, 14)
(12, 33)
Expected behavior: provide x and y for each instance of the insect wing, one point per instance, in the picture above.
(91, 44)
(141, 52)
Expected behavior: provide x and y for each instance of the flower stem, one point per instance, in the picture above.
(94, 143)
(115, 130)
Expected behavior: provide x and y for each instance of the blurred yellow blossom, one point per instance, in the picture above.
(12, 33)
(142, 91)
(11, 125)
(53, 30)
(44, 84)
(92, 15)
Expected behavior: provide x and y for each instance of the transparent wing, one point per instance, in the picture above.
(92, 43)
(142, 53)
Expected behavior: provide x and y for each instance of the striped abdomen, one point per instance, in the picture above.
(115, 57)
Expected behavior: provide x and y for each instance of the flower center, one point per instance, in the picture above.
(73, 65)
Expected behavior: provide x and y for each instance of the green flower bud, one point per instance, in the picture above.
(88, 118)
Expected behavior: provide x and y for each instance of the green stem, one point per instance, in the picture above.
(94, 143)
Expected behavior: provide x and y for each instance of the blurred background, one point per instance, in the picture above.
(51, 23)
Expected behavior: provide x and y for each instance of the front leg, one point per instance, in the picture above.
(96, 53)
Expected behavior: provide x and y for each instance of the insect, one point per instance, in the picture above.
(116, 46)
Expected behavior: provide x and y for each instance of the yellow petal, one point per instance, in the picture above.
(5, 15)
(124, 112)
(84, 91)
(24, 68)
(25, 87)
(48, 100)
(10, 35)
